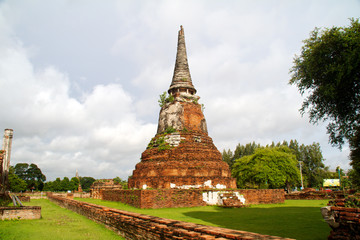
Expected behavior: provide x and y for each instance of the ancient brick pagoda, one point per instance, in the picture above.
(181, 155)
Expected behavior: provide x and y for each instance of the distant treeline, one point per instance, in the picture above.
(313, 168)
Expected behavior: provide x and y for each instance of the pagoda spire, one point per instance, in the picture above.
(181, 81)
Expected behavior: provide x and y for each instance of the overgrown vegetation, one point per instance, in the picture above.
(352, 202)
(170, 130)
(327, 73)
(165, 98)
(123, 183)
(159, 143)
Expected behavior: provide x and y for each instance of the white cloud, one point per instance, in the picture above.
(99, 134)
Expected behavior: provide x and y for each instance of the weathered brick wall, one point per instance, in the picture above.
(130, 197)
(139, 226)
(156, 198)
(27, 212)
(170, 198)
(263, 196)
(314, 195)
(349, 220)
(24, 198)
(344, 221)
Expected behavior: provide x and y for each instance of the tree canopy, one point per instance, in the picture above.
(271, 167)
(328, 73)
(86, 183)
(31, 174)
(313, 168)
(16, 184)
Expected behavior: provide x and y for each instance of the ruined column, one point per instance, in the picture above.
(8, 135)
(78, 177)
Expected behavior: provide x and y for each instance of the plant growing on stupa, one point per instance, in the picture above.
(165, 98)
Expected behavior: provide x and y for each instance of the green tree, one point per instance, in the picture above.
(86, 183)
(56, 185)
(74, 183)
(354, 178)
(271, 167)
(31, 174)
(328, 73)
(123, 183)
(227, 156)
(35, 178)
(355, 159)
(313, 167)
(20, 170)
(65, 184)
(48, 186)
(244, 150)
(16, 184)
(314, 170)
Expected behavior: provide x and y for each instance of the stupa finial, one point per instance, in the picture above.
(181, 79)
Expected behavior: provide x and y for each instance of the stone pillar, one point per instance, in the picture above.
(8, 135)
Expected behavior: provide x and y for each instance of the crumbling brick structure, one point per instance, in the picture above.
(172, 198)
(344, 221)
(181, 155)
(17, 213)
(97, 188)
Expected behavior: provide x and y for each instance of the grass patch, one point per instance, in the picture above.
(299, 219)
(56, 223)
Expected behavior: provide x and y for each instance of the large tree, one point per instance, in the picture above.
(271, 167)
(86, 183)
(31, 174)
(16, 184)
(327, 72)
(310, 156)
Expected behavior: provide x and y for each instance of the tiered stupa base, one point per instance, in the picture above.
(191, 160)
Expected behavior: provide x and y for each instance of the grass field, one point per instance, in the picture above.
(56, 223)
(299, 219)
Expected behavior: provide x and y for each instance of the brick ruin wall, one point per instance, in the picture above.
(315, 195)
(139, 226)
(156, 198)
(263, 196)
(349, 223)
(27, 212)
(344, 221)
(170, 198)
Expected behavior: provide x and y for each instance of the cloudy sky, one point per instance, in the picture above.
(80, 79)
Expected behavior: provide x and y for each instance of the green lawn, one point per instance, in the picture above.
(56, 223)
(299, 219)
